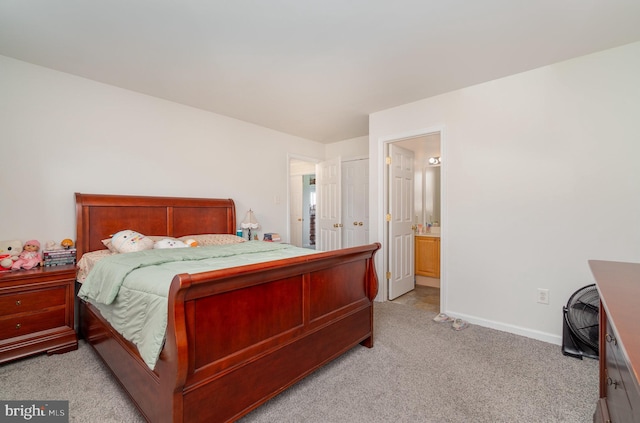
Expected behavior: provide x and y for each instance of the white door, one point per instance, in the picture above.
(295, 211)
(328, 207)
(355, 203)
(400, 221)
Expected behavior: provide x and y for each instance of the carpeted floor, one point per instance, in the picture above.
(418, 371)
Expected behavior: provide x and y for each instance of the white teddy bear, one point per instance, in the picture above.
(9, 252)
(52, 246)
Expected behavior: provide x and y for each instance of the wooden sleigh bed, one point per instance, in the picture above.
(235, 337)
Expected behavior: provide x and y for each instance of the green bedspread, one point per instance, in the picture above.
(131, 290)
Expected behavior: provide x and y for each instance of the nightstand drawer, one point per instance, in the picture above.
(24, 302)
(36, 312)
(30, 323)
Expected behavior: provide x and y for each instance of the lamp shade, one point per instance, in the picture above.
(250, 221)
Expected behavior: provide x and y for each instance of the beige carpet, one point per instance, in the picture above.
(418, 371)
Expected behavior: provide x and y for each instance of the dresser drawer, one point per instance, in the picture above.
(28, 301)
(25, 324)
(621, 395)
(617, 399)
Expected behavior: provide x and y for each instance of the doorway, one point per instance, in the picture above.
(351, 192)
(302, 202)
(426, 216)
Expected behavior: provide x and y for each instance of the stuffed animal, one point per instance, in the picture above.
(9, 252)
(66, 243)
(191, 242)
(169, 243)
(129, 241)
(52, 246)
(30, 256)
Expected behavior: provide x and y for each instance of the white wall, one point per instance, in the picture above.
(349, 149)
(540, 174)
(63, 134)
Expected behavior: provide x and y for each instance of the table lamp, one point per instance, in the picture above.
(250, 222)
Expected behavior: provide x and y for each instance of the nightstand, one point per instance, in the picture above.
(37, 312)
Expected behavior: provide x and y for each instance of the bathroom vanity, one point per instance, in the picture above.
(427, 255)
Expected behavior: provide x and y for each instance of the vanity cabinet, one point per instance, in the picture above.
(427, 256)
(619, 288)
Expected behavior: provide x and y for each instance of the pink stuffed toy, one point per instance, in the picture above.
(30, 256)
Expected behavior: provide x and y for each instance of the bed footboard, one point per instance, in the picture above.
(237, 337)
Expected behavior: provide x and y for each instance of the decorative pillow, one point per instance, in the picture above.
(129, 241)
(213, 239)
(169, 243)
(110, 247)
(155, 238)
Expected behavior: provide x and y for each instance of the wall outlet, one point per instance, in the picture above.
(543, 296)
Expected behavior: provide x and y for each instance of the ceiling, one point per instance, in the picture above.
(315, 69)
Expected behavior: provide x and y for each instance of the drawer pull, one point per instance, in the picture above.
(613, 383)
(611, 339)
(18, 302)
(18, 326)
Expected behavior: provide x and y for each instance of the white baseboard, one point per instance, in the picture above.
(517, 330)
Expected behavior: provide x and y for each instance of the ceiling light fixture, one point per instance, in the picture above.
(434, 161)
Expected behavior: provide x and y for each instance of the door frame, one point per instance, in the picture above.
(383, 200)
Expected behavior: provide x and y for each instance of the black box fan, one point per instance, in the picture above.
(581, 324)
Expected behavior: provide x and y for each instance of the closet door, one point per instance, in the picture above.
(355, 202)
(329, 208)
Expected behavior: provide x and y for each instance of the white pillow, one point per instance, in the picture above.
(169, 243)
(129, 241)
(213, 239)
(155, 238)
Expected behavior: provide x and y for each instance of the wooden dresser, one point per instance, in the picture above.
(37, 312)
(619, 288)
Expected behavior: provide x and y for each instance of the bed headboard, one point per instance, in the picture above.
(99, 216)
